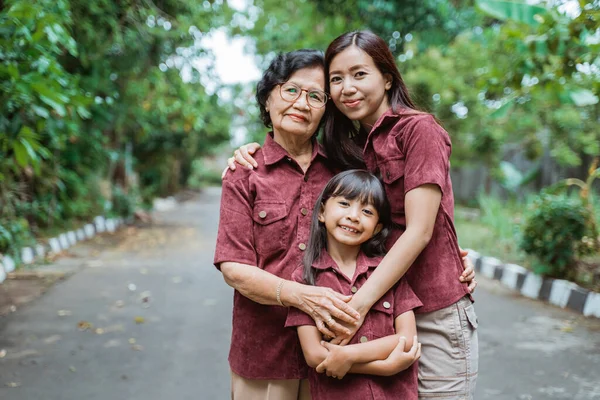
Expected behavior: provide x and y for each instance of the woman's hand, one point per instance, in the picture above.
(338, 362)
(399, 360)
(351, 329)
(468, 274)
(242, 156)
(326, 307)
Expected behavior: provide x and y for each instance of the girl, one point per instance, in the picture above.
(349, 228)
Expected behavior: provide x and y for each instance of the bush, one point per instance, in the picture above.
(553, 231)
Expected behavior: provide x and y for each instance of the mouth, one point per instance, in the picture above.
(349, 229)
(297, 117)
(351, 103)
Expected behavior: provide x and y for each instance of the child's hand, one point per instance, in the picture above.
(399, 360)
(337, 364)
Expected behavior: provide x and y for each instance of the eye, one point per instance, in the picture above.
(343, 203)
(335, 79)
(360, 74)
(368, 211)
(317, 96)
(291, 89)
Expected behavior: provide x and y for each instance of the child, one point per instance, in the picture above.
(349, 228)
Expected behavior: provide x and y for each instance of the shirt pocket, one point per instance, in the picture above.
(269, 218)
(392, 175)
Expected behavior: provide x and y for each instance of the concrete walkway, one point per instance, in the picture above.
(149, 318)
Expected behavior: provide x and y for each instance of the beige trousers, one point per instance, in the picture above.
(449, 352)
(258, 389)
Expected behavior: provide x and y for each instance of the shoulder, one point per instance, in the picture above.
(420, 127)
(242, 174)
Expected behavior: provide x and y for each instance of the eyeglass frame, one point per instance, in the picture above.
(327, 96)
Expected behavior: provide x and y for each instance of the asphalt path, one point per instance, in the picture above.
(148, 317)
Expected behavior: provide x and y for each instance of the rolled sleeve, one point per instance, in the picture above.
(427, 146)
(235, 238)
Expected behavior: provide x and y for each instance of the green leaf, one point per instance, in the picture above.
(512, 177)
(503, 111)
(40, 111)
(583, 97)
(20, 154)
(528, 14)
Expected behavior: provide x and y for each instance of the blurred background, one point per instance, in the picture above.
(106, 105)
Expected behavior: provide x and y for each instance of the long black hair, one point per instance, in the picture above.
(343, 138)
(354, 184)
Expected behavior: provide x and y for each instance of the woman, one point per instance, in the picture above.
(410, 151)
(264, 224)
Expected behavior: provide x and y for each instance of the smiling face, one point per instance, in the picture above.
(349, 222)
(357, 87)
(297, 118)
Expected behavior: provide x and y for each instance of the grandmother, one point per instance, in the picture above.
(263, 230)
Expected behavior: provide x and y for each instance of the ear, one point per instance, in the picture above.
(388, 81)
(378, 229)
(267, 105)
(321, 217)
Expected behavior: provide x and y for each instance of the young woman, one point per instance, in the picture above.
(374, 122)
(350, 224)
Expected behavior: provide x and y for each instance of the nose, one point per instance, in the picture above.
(348, 87)
(302, 101)
(353, 212)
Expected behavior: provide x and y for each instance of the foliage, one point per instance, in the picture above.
(553, 231)
(92, 92)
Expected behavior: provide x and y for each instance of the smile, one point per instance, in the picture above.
(348, 229)
(297, 117)
(351, 103)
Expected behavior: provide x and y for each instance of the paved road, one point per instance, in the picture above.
(92, 337)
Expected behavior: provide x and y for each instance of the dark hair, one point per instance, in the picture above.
(353, 184)
(280, 70)
(342, 138)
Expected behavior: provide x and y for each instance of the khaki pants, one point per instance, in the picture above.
(449, 352)
(258, 389)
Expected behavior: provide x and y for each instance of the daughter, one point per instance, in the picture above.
(350, 224)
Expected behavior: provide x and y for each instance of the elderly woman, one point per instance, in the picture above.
(264, 224)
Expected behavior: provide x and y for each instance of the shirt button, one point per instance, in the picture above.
(363, 339)
(354, 289)
(262, 214)
(304, 211)
(305, 178)
(387, 174)
(386, 304)
(302, 246)
(288, 159)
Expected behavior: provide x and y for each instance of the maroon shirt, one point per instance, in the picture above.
(379, 322)
(408, 151)
(265, 221)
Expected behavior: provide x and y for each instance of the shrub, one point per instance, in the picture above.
(553, 230)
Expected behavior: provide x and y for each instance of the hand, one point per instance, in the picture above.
(326, 307)
(337, 364)
(468, 274)
(242, 156)
(345, 338)
(399, 360)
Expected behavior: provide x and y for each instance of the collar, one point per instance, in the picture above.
(384, 118)
(363, 263)
(273, 152)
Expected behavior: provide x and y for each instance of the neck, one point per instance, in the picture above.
(344, 256)
(367, 123)
(300, 148)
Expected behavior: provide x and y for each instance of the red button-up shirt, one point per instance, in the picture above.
(408, 151)
(264, 221)
(379, 322)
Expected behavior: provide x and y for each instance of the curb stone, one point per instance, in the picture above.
(558, 292)
(60, 242)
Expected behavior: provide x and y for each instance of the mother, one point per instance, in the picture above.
(264, 223)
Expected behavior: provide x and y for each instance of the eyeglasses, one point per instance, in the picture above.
(291, 92)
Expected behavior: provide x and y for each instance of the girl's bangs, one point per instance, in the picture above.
(366, 191)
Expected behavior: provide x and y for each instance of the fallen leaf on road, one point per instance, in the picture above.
(112, 343)
(84, 325)
(131, 340)
(72, 368)
(64, 313)
(99, 331)
(52, 339)
(13, 308)
(139, 320)
(114, 328)
(137, 347)
(2, 353)
(119, 303)
(12, 384)
(132, 287)
(566, 329)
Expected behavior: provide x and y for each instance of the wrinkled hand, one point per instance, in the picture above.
(399, 360)
(242, 156)
(337, 364)
(328, 308)
(468, 274)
